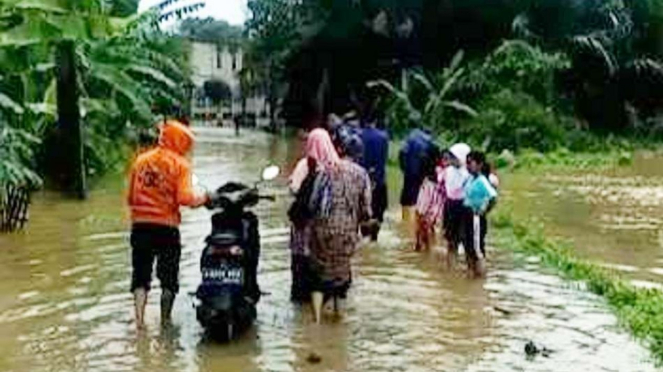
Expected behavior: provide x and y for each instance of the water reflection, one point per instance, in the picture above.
(64, 301)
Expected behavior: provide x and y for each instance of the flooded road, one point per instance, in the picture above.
(65, 306)
(613, 217)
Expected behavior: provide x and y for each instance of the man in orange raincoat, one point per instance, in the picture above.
(160, 182)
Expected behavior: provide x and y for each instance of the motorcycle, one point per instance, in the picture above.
(229, 291)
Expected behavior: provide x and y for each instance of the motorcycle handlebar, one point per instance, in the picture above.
(248, 199)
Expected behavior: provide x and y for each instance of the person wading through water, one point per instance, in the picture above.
(480, 198)
(455, 177)
(341, 201)
(411, 158)
(376, 153)
(160, 182)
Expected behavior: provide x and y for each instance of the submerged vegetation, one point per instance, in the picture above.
(638, 309)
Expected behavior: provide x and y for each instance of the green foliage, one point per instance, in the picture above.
(212, 31)
(278, 29)
(125, 65)
(123, 8)
(638, 309)
(16, 157)
(519, 67)
(563, 159)
(513, 121)
(512, 89)
(421, 100)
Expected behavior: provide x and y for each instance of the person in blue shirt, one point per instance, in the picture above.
(480, 198)
(376, 152)
(418, 145)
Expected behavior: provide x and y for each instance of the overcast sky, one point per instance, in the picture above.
(233, 11)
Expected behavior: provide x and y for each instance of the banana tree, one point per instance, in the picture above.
(425, 101)
(78, 32)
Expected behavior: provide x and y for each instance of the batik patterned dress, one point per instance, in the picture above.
(334, 237)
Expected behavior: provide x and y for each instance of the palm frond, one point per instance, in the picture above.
(118, 81)
(9, 104)
(589, 46)
(153, 74)
(459, 106)
(456, 61)
(421, 78)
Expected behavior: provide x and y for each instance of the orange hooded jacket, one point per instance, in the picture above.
(161, 180)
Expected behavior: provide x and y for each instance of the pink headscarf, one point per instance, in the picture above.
(319, 146)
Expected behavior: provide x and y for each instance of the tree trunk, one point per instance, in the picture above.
(69, 133)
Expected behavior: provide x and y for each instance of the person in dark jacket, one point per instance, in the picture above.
(417, 146)
(376, 152)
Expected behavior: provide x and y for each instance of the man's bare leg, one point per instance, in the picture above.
(167, 300)
(140, 301)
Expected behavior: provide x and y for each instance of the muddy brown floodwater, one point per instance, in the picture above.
(65, 306)
(613, 217)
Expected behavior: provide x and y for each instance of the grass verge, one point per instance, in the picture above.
(638, 309)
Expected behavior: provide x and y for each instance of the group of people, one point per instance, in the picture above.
(340, 194)
(455, 188)
(339, 187)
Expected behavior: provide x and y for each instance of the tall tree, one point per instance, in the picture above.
(212, 31)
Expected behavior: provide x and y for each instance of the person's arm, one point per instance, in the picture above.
(365, 202)
(132, 184)
(186, 195)
(492, 194)
(491, 204)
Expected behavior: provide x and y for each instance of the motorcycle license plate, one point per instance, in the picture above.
(224, 275)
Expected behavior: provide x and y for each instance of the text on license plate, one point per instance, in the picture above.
(224, 275)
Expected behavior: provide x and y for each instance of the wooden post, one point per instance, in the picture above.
(69, 131)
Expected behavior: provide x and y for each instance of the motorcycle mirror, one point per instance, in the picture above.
(195, 182)
(270, 173)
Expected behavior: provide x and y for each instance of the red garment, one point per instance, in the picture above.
(160, 179)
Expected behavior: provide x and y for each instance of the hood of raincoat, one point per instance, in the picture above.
(176, 136)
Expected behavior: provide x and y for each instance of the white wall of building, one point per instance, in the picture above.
(210, 62)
